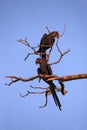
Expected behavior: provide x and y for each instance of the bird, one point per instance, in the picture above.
(46, 42)
(45, 69)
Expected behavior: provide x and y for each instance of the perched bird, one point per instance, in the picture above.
(47, 42)
(45, 69)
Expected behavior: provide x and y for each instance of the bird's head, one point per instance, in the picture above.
(38, 61)
(55, 34)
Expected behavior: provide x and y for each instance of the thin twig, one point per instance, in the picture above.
(61, 56)
(28, 92)
(48, 89)
(63, 31)
(26, 43)
(38, 87)
(47, 29)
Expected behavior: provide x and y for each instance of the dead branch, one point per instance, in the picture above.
(60, 52)
(25, 42)
(61, 56)
(47, 92)
(69, 77)
(15, 79)
(46, 96)
(38, 87)
(47, 29)
(62, 87)
(28, 92)
(63, 31)
(48, 77)
(47, 89)
(60, 34)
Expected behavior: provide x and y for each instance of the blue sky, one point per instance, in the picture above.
(28, 18)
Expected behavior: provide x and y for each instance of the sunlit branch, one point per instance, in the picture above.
(47, 90)
(69, 77)
(48, 77)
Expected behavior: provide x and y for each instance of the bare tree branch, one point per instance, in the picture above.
(47, 29)
(61, 56)
(26, 43)
(47, 89)
(28, 92)
(15, 79)
(69, 77)
(38, 87)
(61, 79)
(60, 34)
(47, 92)
(63, 31)
(48, 77)
(61, 53)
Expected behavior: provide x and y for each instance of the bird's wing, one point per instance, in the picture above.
(43, 38)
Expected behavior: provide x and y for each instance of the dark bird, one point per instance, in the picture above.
(47, 41)
(45, 69)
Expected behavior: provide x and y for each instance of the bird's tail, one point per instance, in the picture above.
(55, 97)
